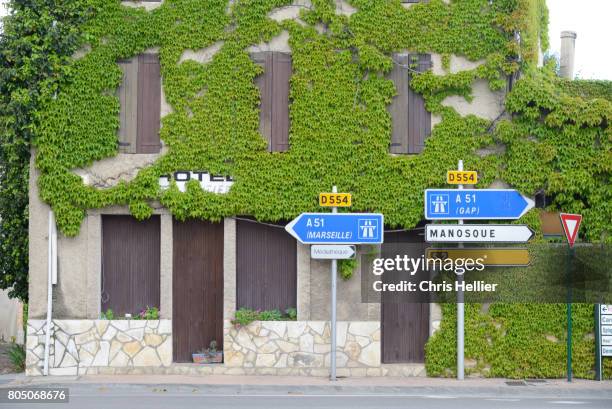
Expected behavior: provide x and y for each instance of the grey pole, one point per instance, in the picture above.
(460, 311)
(334, 274)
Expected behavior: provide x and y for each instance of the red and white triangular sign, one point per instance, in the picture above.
(571, 224)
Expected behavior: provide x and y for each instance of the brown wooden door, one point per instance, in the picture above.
(130, 264)
(404, 326)
(197, 287)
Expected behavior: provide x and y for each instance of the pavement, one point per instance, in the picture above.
(223, 391)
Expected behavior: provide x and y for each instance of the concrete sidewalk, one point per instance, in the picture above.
(276, 385)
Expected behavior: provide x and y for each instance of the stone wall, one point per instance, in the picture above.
(81, 346)
(303, 345)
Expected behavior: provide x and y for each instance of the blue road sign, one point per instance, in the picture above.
(454, 204)
(337, 228)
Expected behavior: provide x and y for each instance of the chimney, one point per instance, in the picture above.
(566, 60)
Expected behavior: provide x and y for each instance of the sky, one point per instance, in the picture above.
(589, 18)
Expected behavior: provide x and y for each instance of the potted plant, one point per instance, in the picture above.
(214, 356)
(200, 357)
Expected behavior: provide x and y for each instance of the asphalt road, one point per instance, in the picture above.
(154, 397)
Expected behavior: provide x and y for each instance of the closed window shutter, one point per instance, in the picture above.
(129, 106)
(273, 86)
(419, 119)
(399, 106)
(149, 103)
(411, 122)
(264, 83)
(281, 75)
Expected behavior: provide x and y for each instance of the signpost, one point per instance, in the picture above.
(331, 235)
(603, 336)
(332, 251)
(492, 257)
(571, 224)
(337, 228)
(473, 204)
(477, 233)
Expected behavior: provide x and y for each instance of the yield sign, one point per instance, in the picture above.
(571, 224)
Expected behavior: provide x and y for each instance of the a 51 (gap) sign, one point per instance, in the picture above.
(475, 204)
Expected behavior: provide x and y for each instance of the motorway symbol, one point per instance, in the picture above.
(477, 233)
(474, 204)
(571, 224)
(332, 251)
(493, 257)
(337, 228)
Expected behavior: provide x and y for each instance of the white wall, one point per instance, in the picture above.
(10, 318)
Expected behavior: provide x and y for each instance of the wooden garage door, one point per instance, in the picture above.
(130, 264)
(405, 326)
(197, 287)
(266, 267)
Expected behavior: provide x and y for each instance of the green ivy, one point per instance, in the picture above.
(516, 341)
(36, 43)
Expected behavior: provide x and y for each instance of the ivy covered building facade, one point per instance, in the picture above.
(187, 133)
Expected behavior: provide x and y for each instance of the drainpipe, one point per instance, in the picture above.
(566, 60)
(51, 279)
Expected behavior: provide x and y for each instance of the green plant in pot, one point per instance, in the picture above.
(215, 356)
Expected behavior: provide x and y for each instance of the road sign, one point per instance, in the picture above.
(335, 199)
(337, 228)
(571, 224)
(492, 257)
(477, 233)
(474, 204)
(461, 177)
(605, 331)
(332, 251)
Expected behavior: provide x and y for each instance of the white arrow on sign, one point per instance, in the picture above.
(332, 251)
(477, 233)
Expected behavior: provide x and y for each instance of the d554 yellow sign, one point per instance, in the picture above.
(335, 199)
(461, 177)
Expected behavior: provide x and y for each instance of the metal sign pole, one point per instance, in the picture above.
(334, 274)
(598, 374)
(570, 256)
(460, 310)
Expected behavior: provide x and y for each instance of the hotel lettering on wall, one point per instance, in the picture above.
(212, 183)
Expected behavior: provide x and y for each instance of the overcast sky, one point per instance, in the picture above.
(589, 18)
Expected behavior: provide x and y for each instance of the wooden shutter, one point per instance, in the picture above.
(149, 103)
(273, 86)
(266, 267)
(399, 106)
(130, 264)
(419, 119)
(411, 122)
(129, 106)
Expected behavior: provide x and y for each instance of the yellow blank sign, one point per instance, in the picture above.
(491, 257)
